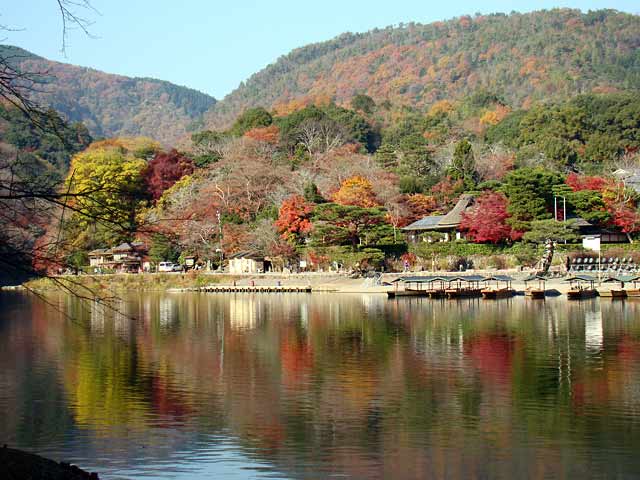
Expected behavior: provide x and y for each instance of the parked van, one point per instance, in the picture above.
(165, 267)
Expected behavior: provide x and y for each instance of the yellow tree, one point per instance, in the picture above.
(356, 191)
(106, 185)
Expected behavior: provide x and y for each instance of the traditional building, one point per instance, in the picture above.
(606, 235)
(126, 257)
(248, 262)
(448, 225)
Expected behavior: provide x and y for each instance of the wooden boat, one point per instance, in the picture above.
(535, 293)
(502, 288)
(581, 287)
(579, 293)
(437, 293)
(538, 292)
(612, 292)
(407, 293)
(463, 292)
(621, 292)
(495, 293)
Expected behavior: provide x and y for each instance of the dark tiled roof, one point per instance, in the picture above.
(426, 223)
(454, 217)
(99, 251)
(249, 255)
(444, 222)
(125, 247)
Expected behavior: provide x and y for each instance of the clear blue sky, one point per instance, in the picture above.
(212, 45)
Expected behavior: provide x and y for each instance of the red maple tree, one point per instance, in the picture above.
(486, 220)
(164, 170)
(585, 182)
(622, 205)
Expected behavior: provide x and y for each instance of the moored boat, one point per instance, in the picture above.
(502, 288)
(464, 292)
(581, 287)
(535, 293)
(407, 293)
(538, 292)
(621, 292)
(495, 293)
(612, 292)
(437, 293)
(580, 293)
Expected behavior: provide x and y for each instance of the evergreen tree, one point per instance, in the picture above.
(463, 164)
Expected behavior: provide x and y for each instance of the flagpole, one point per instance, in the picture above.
(599, 267)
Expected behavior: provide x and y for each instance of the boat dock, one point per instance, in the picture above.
(253, 289)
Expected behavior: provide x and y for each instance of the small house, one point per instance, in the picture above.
(448, 225)
(606, 235)
(126, 257)
(100, 257)
(248, 262)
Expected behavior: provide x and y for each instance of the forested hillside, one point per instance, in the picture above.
(523, 58)
(487, 107)
(112, 105)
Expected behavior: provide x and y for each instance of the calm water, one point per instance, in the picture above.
(313, 386)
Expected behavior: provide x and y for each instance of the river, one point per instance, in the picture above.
(321, 385)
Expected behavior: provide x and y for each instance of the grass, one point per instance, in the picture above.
(122, 282)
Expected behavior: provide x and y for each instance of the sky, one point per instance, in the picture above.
(213, 45)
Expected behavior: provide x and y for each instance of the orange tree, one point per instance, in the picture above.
(356, 191)
(294, 218)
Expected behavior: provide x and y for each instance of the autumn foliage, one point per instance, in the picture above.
(622, 205)
(294, 218)
(164, 170)
(356, 191)
(486, 221)
(269, 134)
(585, 182)
(420, 205)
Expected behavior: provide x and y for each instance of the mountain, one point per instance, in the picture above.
(114, 105)
(523, 58)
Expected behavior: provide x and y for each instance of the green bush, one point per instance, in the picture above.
(461, 249)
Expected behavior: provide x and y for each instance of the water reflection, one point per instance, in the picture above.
(310, 385)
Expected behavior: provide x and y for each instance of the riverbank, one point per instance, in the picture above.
(318, 281)
(18, 465)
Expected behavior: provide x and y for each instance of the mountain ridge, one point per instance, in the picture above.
(112, 104)
(531, 57)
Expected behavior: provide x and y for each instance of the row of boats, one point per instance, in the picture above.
(583, 286)
(501, 286)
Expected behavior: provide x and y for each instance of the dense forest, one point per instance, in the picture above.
(331, 185)
(112, 105)
(525, 58)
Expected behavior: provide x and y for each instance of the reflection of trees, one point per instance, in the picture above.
(416, 388)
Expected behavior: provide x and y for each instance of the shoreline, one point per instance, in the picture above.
(16, 464)
(317, 282)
